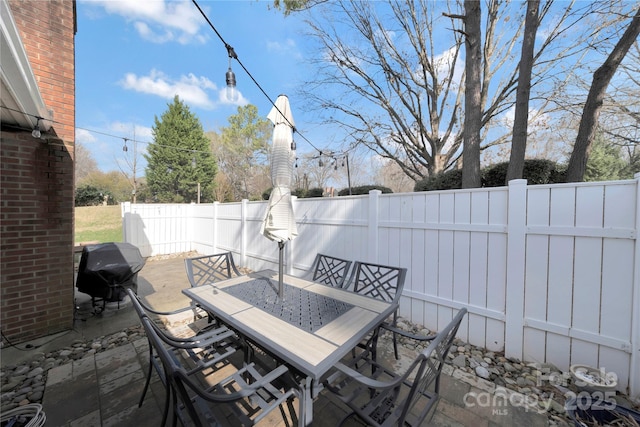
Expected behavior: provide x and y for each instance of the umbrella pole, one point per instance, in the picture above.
(281, 267)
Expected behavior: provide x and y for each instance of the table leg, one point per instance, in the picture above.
(307, 403)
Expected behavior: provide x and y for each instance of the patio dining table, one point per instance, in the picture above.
(310, 329)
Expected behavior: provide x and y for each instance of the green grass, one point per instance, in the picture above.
(98, 224)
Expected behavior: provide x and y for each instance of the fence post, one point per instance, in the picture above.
(214, 238)
(290, 246)
(244, 206)
(190, 227)
(634, 377)
(125, 212)
(516, 242)
(374, 223)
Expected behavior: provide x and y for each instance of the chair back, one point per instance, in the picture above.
(206, 269)
(329, 270)
(378, 281)
(430, 363)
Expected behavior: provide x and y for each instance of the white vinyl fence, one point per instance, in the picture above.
(548, 273)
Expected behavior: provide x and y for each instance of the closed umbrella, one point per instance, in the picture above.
(279, 222)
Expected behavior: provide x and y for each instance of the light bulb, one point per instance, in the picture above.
(36, 130)
(231, 92)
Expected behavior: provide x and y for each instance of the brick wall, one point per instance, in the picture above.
(36, 184)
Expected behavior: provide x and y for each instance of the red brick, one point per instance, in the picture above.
(37, 187)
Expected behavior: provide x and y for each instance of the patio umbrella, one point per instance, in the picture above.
(279, 222)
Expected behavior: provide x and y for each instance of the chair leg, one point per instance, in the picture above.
(395, 346)
(165, 412)
(395, 336)
(175, 406)
(149, 373)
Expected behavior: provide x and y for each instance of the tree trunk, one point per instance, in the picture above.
(472, 97)
(521, 120)
(593, 105)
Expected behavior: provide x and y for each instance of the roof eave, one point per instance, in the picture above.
(20, 91)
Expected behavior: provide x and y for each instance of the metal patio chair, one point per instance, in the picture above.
(207, 269)
(384, 398)
(208, 350)
(328, 270)
(381, 282)
(247, 395)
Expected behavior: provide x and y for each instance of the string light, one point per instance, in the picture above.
(230, 77)
(36, 130)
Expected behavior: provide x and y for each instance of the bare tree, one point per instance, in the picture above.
(391, 176)
(399, 98)
(131, 162)
(521, 120)
(473, 90)
(84, 163)
(389, 74)
(595, 99)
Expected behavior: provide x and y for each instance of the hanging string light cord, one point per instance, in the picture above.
(232, 54)
(137, 141)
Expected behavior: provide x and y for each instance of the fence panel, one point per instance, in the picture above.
(580, 275)
(202, 228)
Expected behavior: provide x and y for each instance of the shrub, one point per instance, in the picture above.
(314, 192)
(536, 171)
(448, 180)
(363, 189)
(300, 193)
(92, 196)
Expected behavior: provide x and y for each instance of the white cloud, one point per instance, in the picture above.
(158, 21)
(130, 130)
(288, 47)
(537, 119)
(190, 88)
(84, 136)
(444, 62)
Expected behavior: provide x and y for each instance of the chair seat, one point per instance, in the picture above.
(203, 397)
(246, 396)
(209, 350)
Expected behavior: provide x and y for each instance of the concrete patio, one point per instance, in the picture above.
(103, 389)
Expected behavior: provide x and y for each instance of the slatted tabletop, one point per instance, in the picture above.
(312, 347)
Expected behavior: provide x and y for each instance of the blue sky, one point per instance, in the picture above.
(132, 57)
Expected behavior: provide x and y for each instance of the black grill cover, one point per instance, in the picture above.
(105, 269)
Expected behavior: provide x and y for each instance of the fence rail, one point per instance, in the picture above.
(548, 273)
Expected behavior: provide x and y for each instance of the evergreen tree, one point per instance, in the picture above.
(605, 161)
(179, 158)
